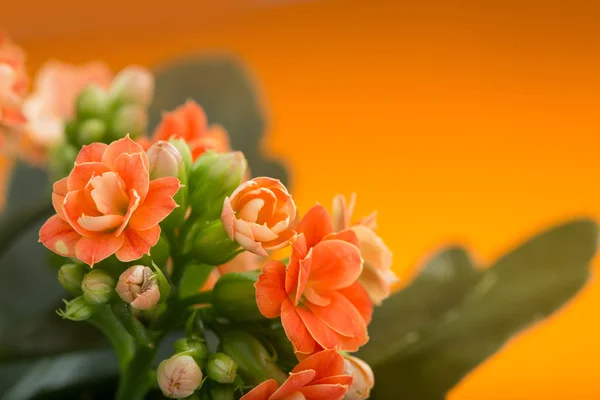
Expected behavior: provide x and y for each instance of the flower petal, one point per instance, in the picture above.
(320, 332)
(336, 264)
(134, 202)
(299, 251)
(324, 392)
(75, 205)
(91, 153)
(358, 296)
(82, 173)
(295, 329)
(57, 235)
(325, 363)
(100, 223)
(131, 169)
(122, 146)
(315, 225)
(108, 193)
(158, 204)
(372, 248)
(347, 235)
(262, 391)
(91, 250)
(295, 381)
(270, 289)
(59, 191)
(284, 239)
(334, 380)
(228, 218)
(341, 316)
(137, 243)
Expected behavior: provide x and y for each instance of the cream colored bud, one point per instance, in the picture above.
(138, 286)
(179, 376)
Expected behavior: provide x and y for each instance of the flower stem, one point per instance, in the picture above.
(121, 341)
(136, 379)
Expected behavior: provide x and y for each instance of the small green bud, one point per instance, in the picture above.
(61, 160)
(130, 119)
(163, 283)
(195, 347)
(164, 160)
(211, 245)
(92, 130)
(72, 132)
(221, 368)
(70, 277)
(214, 176)
(221, 392)
(77, 309)
(98, 286)
(234, 296)
(133, 84)
(184, 150)
(92, 102)
(255, 364)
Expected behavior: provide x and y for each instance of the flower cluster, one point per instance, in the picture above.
(167, 229)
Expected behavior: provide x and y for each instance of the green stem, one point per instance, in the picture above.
(121, 341)
(15, 224)
(136, 379)
(200, 298)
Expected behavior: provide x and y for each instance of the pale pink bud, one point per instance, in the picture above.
(363, 379)
(138, 286)
(179, 376)
(133, 84)
(164, 160)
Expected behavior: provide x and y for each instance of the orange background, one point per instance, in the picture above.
(474, 121)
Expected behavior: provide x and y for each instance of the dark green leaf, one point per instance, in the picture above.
(521, 288)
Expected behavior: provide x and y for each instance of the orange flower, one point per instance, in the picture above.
(320, 303)
(319, 377)
(189, 123)
(377, 275)
(258, 215)
(108, 205)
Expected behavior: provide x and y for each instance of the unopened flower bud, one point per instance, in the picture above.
(194, 347)
(234, 296)
(97, 286)
(70, 277)
(91, 130)
(221, 368)
(130, 119)
(138, 286)
(255, 364)
(215, 176)
(179, 376)
(78, 309)
(184, 151)
(164, 160)
(133, 84)
(363, 380)
(92, 102)
(211, 244)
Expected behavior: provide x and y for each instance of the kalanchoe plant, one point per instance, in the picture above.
(168, 236)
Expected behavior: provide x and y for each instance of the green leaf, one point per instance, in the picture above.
(48, 335)
(521, 288)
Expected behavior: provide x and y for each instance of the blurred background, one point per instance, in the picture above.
(459, 121)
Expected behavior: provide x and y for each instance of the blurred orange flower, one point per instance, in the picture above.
(377, 275)
(319, 377)
(317, 296)
(189, 122)
(108, 205)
